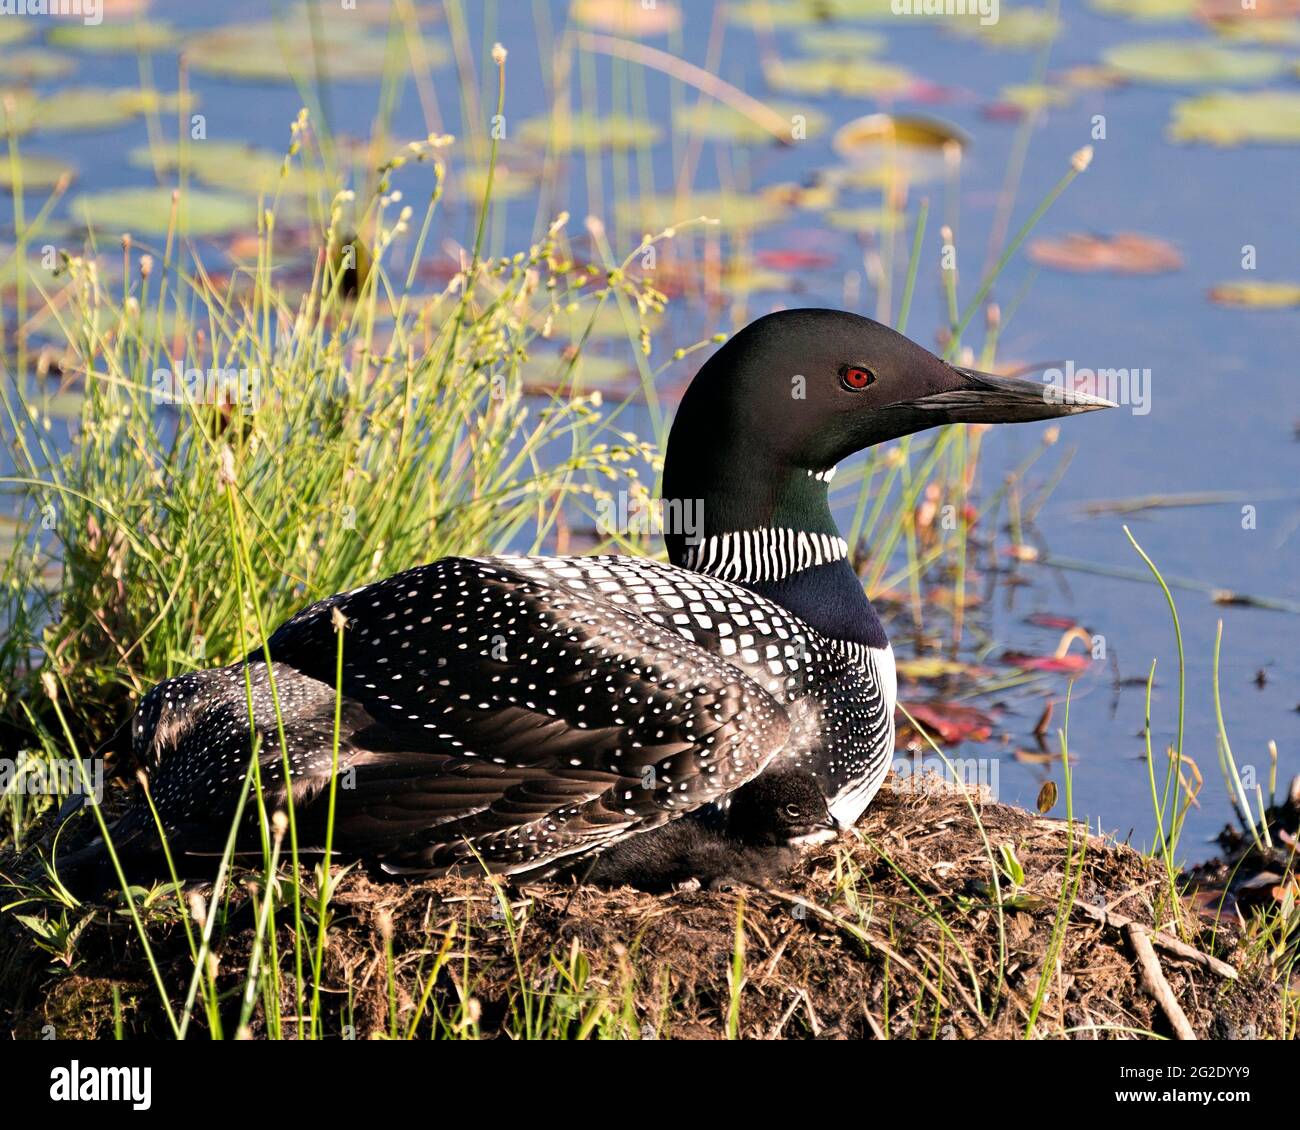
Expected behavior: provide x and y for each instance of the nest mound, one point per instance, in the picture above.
(902, 933)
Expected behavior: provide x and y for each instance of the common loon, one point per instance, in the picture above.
(525, 713)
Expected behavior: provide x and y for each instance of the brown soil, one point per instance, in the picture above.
(897, 934)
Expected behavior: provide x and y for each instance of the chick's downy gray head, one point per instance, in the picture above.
(780, 807)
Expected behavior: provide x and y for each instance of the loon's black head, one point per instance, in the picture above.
(770, 414)
(807, 388)
(780, 807)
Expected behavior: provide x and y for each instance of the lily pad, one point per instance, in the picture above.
(732, 211)
(227, 164)
(867, 10)
(841, 42)
(863, 220)
(148, 211)
(140, 35)
(1147, 10)
(35, 65)
(1020, 29)
(1285, 33)
(77, 108)
(272, 52)
(1182, 62)
(1257, 295)
(547, 373)
(35, 171)
(741, 276)
(1227, 118)
(628, 17)
(813, 76)
(883, 145)
(508, 182)
(15, 31)
(772, 13)
(719, 122)
(1030, 97)
(1124, 253)
(586, 132)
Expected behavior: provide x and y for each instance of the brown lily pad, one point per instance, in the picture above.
(1257, 295)
(1124, 253)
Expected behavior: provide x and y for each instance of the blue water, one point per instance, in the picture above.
(1224, 395)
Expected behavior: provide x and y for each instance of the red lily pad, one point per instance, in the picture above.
(1047, 620)
(1050, 664)
(780, 259)
(949, 723)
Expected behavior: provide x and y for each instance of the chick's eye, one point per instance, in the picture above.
(792, 811)
(854, 377)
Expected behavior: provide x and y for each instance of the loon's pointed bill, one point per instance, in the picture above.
(524, 712)
(985, 398)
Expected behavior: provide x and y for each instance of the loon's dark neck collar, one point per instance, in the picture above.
(766, 526)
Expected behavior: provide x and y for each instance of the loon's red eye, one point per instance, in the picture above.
(854, 377)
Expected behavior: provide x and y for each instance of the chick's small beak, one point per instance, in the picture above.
(983, 398)
(822, 832)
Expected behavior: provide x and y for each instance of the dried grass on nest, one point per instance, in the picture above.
(894, 934)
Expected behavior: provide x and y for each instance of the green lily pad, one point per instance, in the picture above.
(771, 13)
(547, 372)
(841, 42)
(864, 219)
(1225, 117)
(586, 132)
(148, 211)
(142, 35)
(719, 122)
(813, 76)
(743, 276)
(1034, 96)
(272, 52)
(228, 164)
(34, 171)
(733, 211)
(508, 182)
(1147, 10)
(35, 65)
(867, 10)
(15, 31)
(1277, 32)
(1182, 61)
(1020, 29)
(1257, 295)
(72, 108)
(76, 108)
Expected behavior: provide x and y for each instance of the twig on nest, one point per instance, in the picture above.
(1153, 980)
(1167, 942)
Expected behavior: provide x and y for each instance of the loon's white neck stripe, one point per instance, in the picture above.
(765, 554)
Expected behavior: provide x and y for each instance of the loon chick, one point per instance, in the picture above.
(521, 713)
(766, 821)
